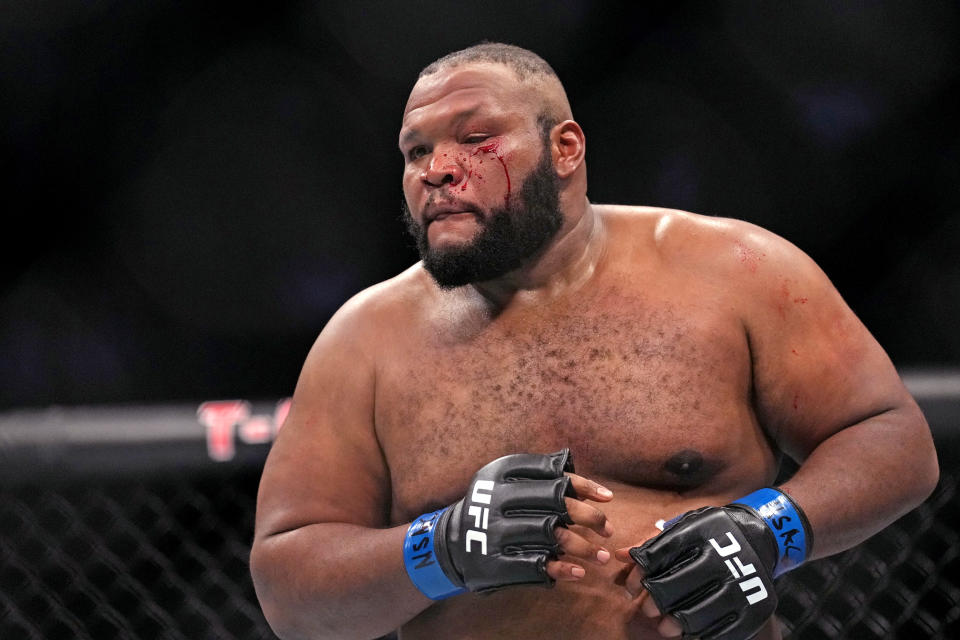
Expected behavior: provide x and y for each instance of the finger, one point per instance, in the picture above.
(634, 582)
(589, 490)
(572, 544)
(564, 571)
(669, 627)
(623, 553)
(650, 608)
(589, 516)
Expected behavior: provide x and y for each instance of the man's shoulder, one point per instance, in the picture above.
(372, 318)
(388, 300)
(695, 241)
(671, 227)
(411, 282)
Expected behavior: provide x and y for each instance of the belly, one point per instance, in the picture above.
(594, 607)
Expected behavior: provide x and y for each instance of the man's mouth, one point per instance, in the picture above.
(452, 214)
(454, 211)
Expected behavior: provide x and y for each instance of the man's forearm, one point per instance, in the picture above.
(864, 477)
(334, 580)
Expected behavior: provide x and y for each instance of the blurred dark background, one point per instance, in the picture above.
(192, 189)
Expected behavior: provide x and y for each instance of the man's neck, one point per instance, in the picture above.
(568, 262)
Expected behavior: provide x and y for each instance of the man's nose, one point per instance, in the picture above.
(443, 170)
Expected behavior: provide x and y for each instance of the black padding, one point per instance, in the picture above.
(534, 497)
(716, 592)
(502, 532)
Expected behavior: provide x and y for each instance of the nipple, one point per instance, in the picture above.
(685, 464)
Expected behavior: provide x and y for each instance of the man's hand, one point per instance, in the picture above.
(710, 573)
(510, 529)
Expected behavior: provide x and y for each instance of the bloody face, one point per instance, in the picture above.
(469, 133)
(507, 236)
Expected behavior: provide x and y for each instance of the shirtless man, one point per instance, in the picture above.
(675, 355)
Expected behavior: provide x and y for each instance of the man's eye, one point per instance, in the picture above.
(473, 138)
(417, 152)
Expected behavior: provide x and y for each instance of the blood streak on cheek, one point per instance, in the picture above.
(494, 148)
(463, 161)
(471, 171)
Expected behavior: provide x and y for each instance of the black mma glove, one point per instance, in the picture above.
(713, 568)
(501, 533)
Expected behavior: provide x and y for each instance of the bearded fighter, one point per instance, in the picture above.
(566, 420)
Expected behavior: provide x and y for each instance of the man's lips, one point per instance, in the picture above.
(439, 213)
(446, 214)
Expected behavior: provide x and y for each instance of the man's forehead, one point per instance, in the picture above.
(452, 107)
(477, 80)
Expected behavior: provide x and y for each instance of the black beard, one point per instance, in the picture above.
(508, 237)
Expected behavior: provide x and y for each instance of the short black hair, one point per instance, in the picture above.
(524, 62)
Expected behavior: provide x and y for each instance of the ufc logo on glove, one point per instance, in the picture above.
(755, 583)
(482, 493)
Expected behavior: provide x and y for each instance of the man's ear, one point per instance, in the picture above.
(568, 146)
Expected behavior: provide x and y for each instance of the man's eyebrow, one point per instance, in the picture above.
(411, 134)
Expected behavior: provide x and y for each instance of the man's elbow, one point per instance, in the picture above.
(276, 612)
(926, 467)
(289, 614)
(931, 476)
(259, 573)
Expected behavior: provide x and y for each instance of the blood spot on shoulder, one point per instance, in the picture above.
(748, 257)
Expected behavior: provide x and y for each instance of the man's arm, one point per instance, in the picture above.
(829, 396)
(323, 561)
(326, 563)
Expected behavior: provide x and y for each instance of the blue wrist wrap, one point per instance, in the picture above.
(420, 559)
(786, 521)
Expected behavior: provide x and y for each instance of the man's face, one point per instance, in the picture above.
(481, 193)
(507, 236)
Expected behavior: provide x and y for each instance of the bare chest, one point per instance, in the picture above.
(653, 396)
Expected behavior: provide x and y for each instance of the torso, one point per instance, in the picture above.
(645, 374)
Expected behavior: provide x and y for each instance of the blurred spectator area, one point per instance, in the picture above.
(191, 189)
